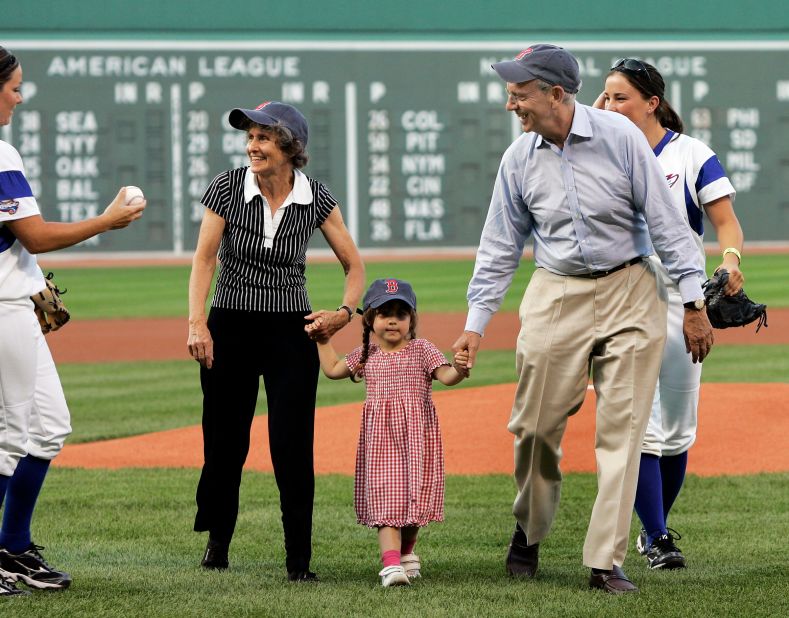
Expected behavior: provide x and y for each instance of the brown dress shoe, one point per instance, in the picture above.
(614, 581)
(522, 558)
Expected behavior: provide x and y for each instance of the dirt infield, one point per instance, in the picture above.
(165, 339)
(738, 425)
(739, 433)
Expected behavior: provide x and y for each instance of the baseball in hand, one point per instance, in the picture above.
(134, 196)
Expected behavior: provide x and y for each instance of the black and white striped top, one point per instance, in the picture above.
(252, 276)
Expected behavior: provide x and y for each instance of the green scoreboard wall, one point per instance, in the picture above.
(408, 135)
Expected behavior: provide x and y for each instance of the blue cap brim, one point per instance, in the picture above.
(382, 300)
(238, 116)
(513, 72)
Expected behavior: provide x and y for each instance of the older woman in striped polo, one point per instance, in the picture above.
(257, 223)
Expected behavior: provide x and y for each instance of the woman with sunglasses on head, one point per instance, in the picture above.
(698, 184)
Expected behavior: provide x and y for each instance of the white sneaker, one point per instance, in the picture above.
(393, 576)
(411, 565)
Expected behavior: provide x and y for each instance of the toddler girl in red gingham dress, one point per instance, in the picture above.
(399, 483)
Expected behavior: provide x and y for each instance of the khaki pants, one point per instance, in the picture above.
(615, 326)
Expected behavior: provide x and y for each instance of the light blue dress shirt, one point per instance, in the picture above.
(600, 201)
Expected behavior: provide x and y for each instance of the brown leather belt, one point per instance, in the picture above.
(597, 274)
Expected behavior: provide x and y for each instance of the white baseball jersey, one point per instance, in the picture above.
(20, 276)
(695, 177)
(34, 417)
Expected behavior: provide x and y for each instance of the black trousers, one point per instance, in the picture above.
(248, 345)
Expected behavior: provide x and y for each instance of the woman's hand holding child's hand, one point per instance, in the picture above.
(312, 329)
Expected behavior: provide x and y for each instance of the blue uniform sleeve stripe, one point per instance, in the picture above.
(14, 185)
(695, 216)
(6, 239)
(711, 171)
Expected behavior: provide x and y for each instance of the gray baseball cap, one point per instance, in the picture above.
(553, 65)
(271, 113)
(383, 290)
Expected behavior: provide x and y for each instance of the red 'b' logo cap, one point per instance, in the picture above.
(523, 53)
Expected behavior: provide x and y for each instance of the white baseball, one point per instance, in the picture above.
(134, 196)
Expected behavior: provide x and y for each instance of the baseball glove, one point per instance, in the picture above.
(727, 311)
(49, 307)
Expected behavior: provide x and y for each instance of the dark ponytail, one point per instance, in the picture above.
(668, 118)
(412, 330)
(8, 64)
(367, 327)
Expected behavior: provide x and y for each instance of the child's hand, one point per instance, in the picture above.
(356, 375)
(460, 363)
(312, 331)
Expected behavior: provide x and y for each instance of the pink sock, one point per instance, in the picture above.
(407, 547)
(391, 558)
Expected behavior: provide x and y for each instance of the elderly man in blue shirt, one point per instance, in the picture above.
(586, 185)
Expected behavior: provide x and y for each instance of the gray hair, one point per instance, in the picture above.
(285, 139)
(546, 87)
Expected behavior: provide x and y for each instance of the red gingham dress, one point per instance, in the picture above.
(400, 458)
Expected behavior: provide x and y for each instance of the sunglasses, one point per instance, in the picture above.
(632, 65)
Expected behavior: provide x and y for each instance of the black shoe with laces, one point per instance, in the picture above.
(663, 554)
(31, 569)
(8, 586)
(215, 556)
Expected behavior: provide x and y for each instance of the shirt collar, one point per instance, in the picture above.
(301, 194)
(581, 127)
(662, 143)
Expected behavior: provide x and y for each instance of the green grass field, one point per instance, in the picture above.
(161, 291)
(126, 535)
(126, 538)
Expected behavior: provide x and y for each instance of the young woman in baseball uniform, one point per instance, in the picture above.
(34, 417)
(699, 185)
(399, 485)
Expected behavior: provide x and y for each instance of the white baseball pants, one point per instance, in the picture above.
(34, 416)
(672, 424)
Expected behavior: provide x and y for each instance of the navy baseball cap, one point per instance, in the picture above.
(383, 290)
(553, 65)
(271, 113)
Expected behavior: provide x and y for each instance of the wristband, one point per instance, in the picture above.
(348, 309)
(735, 252)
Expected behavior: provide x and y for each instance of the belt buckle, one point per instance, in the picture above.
(599, 274)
